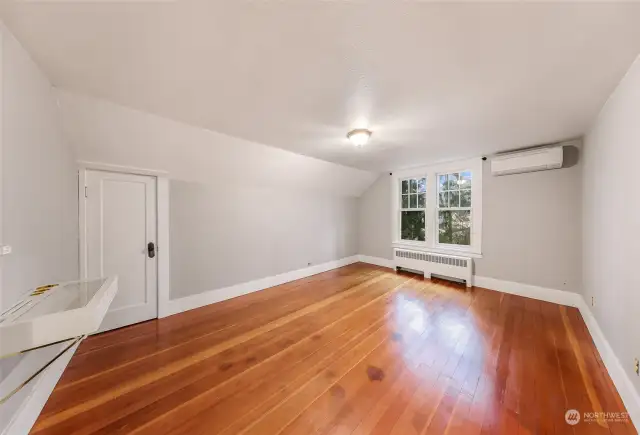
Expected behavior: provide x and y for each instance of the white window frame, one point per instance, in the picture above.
(431, 234)
(438, 209)
(401, 209)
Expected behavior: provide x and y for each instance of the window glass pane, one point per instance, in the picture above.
(453, 182)
(454, 227)
(465, 180)
(442, 182)
(422, 185)
(461, 227)
(444, 227)
(405, 201)
(405, 186)
(412, 225)
(413, 201)
(454, 199)
(444, 199)
(465, 198)
(413, 185)
(422, 200)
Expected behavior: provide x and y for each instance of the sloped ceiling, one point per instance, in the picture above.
(109, 133)
(433, 80)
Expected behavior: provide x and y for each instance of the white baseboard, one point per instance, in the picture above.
(212, 296)
(561, 297)
(619, 376)
(20, 413)
(384, 262)
(530, 291)
(27, 406)
(616, 370)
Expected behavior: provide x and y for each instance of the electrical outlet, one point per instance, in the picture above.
(5, 249)
(636, 366)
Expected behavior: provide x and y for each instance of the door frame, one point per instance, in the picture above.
(162, 224)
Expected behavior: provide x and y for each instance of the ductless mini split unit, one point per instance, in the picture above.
(540, 159)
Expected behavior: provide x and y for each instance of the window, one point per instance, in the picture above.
(438, 208)
(413, 204)
(454, 208)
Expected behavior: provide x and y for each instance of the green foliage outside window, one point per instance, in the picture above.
(413, 201)
(413, 225)
(454, 208)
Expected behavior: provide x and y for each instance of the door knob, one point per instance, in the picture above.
(151, 250)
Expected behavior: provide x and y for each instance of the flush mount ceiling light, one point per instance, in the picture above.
(359, 136)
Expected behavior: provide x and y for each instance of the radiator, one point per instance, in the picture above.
(435, 264)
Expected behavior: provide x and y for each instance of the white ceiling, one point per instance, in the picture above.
(434, 81)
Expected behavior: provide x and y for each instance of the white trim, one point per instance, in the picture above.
(162, 225)
(31, 407)
(561, 297)
(422, 248)
(108, 167)
(38, 390)
(164, 278)
(2, 30)
(431, 173)
(619, 376)
(212, 296)
(42, 387)
(82, 230)
(383, 262)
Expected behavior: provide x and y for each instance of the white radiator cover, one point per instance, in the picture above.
(431, 263)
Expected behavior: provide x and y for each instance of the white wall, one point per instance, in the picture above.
(38, 189)
(239, 210)
(531, 225)
(611, 213)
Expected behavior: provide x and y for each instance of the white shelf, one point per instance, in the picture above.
(62, 312)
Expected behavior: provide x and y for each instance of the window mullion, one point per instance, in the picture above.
(461, 223)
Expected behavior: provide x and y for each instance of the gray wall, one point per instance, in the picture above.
(38, 196)
(228, 234)
(531, 225)
(374, 219)
(239, 210)
(611, 220)
(39, 185)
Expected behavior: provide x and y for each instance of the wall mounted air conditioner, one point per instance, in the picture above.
(541, 159)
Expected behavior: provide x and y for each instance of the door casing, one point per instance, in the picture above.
(162, 225)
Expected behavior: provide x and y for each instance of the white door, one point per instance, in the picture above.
(120, 239)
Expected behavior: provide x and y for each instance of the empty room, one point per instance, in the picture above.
(319, 217)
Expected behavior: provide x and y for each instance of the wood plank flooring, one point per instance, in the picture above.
(357, 350)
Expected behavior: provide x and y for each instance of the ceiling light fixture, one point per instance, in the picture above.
(359, 136)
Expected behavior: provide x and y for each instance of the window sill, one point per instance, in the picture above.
(421, 246)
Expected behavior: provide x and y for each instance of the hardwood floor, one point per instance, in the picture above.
(357, 350)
